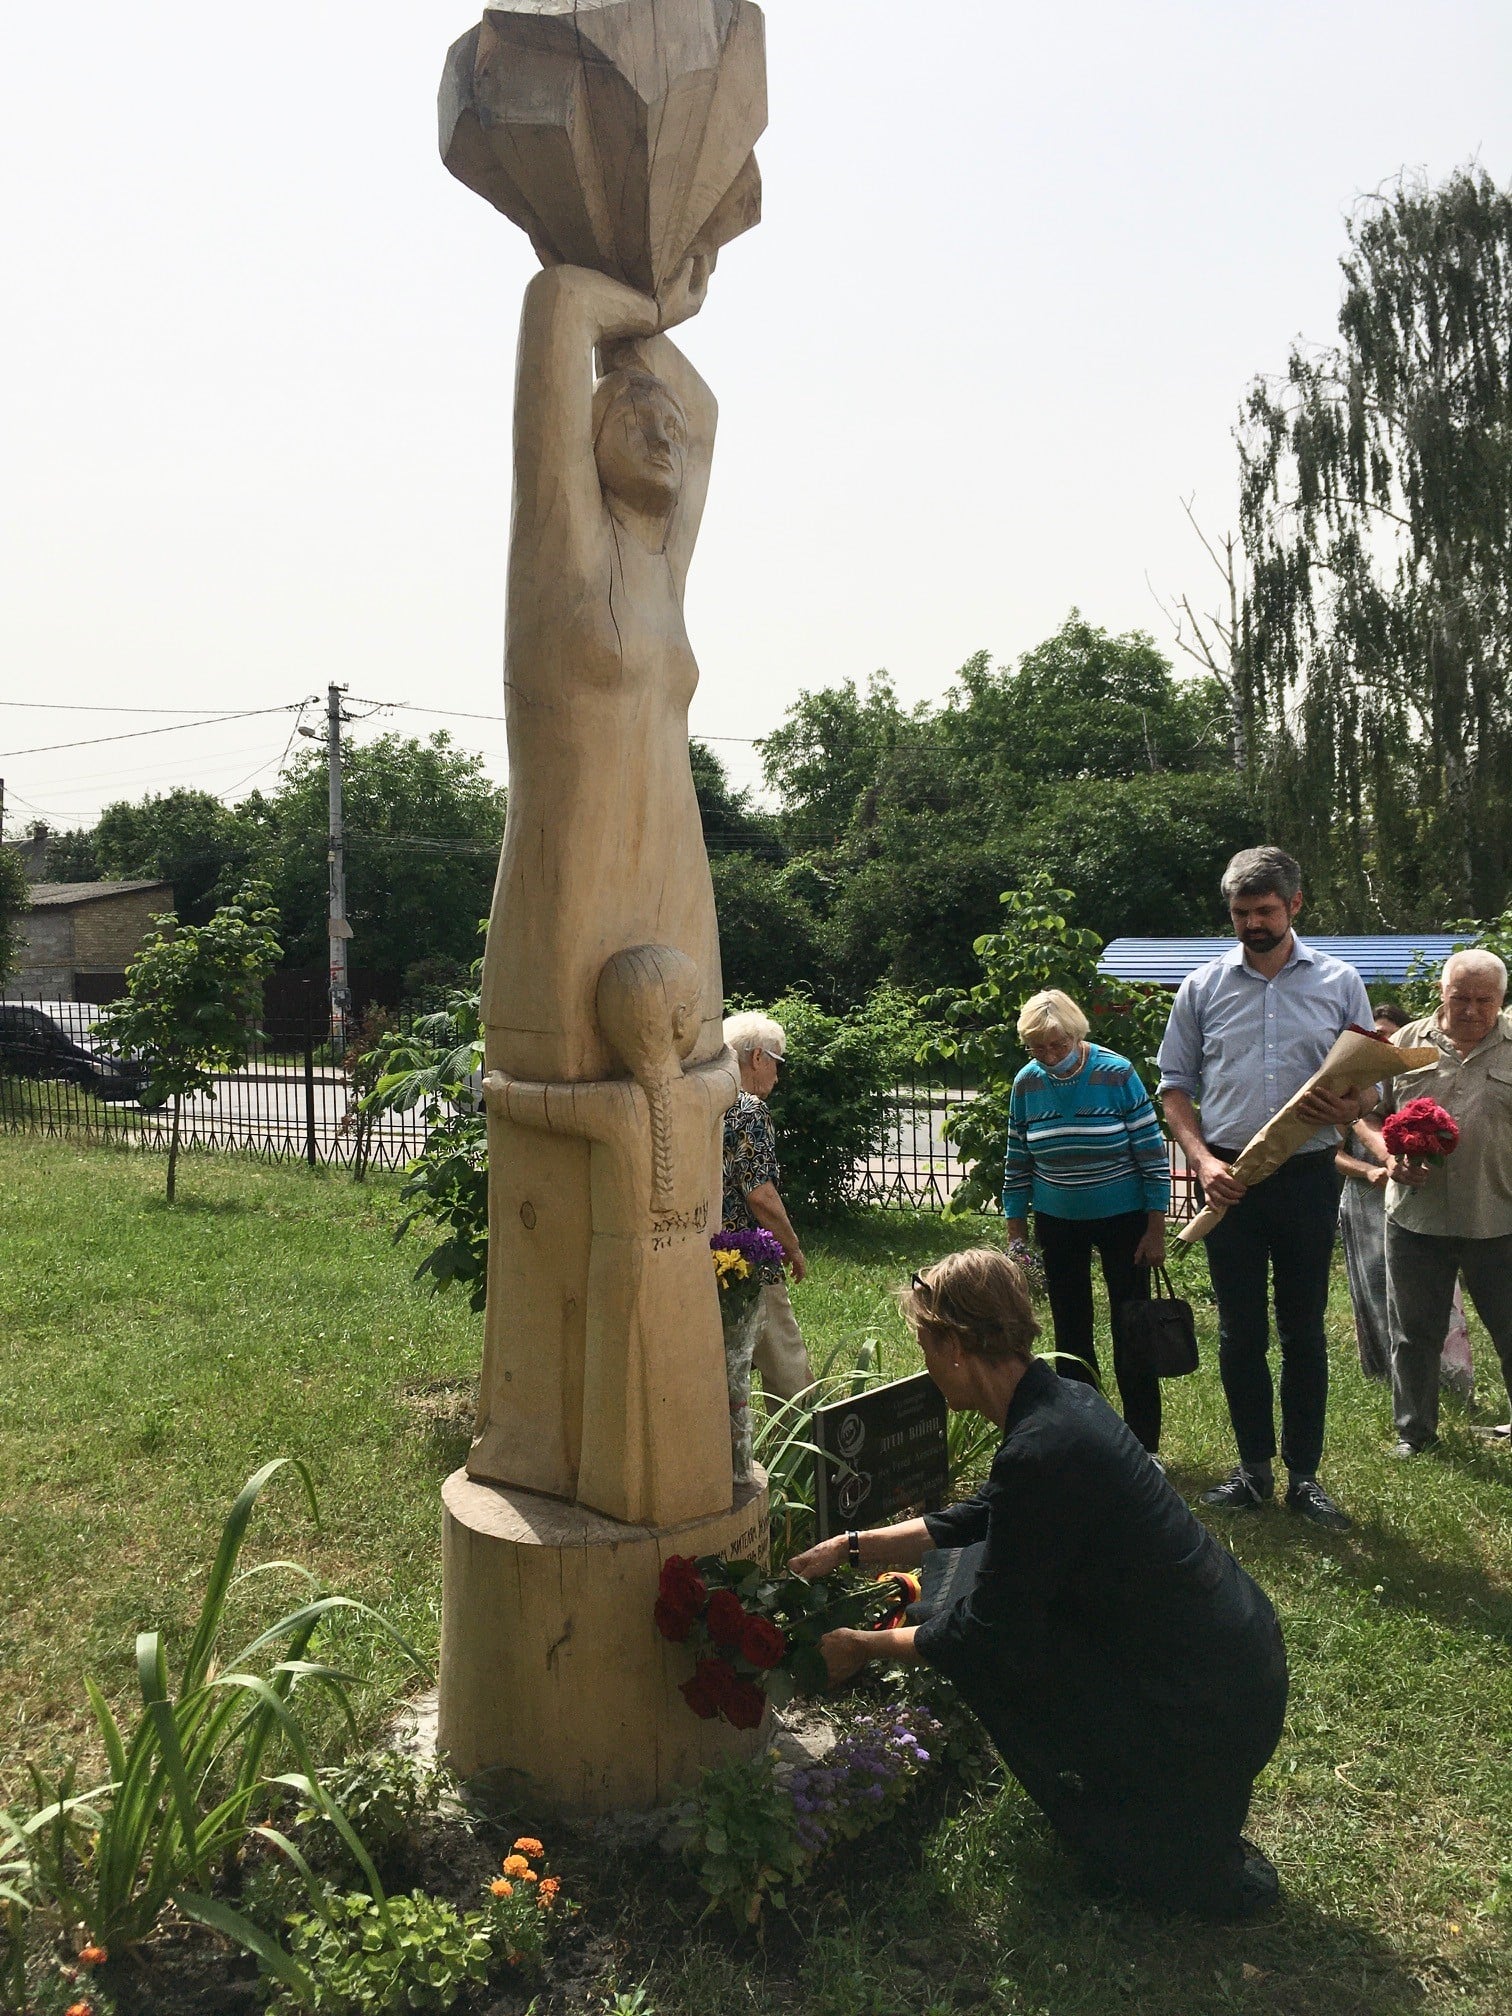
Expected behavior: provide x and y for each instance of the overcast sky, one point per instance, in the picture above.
(1016, 268)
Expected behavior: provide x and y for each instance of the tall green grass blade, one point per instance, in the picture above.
(313, 1790)
(267, 1952)
(313, 1612)
(318, 1893)
(233, 1533)
(152, 1675)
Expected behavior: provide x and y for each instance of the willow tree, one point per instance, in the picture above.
(1376, 515)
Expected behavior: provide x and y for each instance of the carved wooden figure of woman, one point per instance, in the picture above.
(603, 845)
(655, 1434)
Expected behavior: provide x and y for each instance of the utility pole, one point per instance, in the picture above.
(338, 927)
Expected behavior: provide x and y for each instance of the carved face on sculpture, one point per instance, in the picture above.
(640, 441)
(648, 1008)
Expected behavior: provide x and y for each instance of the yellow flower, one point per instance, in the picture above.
(528, 1845)
(501, 1887)
(516, 1865)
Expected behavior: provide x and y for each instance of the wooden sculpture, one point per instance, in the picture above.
(618, 133)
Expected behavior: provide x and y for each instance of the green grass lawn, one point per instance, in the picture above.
(149, 1360)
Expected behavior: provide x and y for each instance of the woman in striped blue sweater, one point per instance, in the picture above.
(1085, 1148)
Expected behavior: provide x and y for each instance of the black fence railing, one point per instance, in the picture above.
(293, 1101)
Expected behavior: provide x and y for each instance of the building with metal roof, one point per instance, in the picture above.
(1165, 962)
(78, 938)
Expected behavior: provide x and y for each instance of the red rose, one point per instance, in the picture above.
(671, 1621)
(1421, 1130)
(704, 1692)
(726, 1617)
(762, 1643)
(681, 1584)
(744, 1705)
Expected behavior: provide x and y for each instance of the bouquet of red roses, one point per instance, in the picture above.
(755, 1637)
(1421, 1131)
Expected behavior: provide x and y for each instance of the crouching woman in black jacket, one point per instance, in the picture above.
(1129, 1671)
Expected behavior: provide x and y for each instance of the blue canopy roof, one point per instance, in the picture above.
(1167, 961)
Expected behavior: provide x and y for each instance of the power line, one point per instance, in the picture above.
(134, 734)
(99, 707)
(462, 714)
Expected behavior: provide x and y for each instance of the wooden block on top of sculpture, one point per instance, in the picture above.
(619, 135)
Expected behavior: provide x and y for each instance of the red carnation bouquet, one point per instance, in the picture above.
(755, 1637)
(1421, 1131)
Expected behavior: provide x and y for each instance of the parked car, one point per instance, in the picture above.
(37, 1043)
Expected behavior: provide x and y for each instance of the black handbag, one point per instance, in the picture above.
(1160, 1333)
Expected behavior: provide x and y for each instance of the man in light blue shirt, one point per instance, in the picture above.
(1246, 1033)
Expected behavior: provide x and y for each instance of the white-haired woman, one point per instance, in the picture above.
(1085, 1148)
(751, 1198)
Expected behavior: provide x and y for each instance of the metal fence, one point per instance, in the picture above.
(918, 1169)
(292, 1102)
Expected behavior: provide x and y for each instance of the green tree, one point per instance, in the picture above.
(1144, 854)
(1036, 947)
(72, 857)
(1083, 703)
(15, 901)
(423, 827)
(768, 936)
(1376, 514)
(831, 749)
(193, 994)
(184, 837)
(1088, 754)
(731, 819)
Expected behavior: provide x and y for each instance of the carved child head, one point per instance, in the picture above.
(648, 1008)
(640, 440)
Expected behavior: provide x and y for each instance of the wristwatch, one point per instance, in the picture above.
(853, 1547)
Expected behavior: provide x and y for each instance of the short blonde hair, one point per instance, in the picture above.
(1051, 1011)
(980, 1297)
(751, 1030)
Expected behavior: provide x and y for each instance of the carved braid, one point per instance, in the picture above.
(658, 1092)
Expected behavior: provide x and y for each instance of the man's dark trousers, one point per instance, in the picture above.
(1284, 1229)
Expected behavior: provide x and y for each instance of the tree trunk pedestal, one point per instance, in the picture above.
(554, 1680)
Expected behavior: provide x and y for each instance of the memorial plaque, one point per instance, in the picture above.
(883, 1456)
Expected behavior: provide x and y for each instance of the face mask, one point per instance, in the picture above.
(1068, 1065)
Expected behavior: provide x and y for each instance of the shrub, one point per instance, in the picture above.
(1037, 947)
(424, 1957)
(436, 1064)
(832, 1106)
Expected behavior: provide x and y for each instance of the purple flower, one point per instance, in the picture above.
(755, 1245)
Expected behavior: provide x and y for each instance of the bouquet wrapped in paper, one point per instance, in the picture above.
(1358, 1058)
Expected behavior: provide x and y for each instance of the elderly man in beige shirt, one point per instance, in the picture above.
(1456, 1219)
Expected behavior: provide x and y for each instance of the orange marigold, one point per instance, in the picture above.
(546, 1895)
(79, 2009)
(93, 1956)
(516, 1865)
(501, 1887)
(530, 1876)
(528, 1845)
